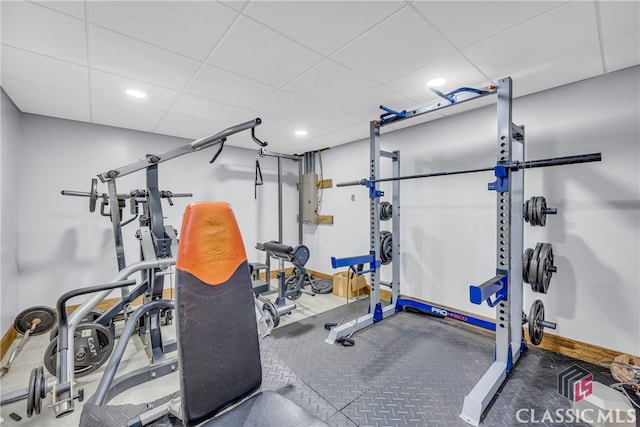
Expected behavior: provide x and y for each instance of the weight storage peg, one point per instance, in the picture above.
(535, 211)
(536, 323)
(537, 267)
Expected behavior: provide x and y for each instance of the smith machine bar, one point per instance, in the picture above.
(506, 287)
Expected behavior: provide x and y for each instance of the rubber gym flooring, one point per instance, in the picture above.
(407, 370)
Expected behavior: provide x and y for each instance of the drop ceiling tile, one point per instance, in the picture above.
(47, 101)
(39, 29)
(466, 22)
(74, 8)
(329, 83)
(578, 66)
(329, 140)
(228, 88)
(332, 120)
(255, 51)
(44, 70)
(270, 124)
(456, 69)
(619, 18)
(288, 106)
(112, 86)
(357, 132)
(560, 32)
(118, 54)
(187, 127)
(321, 25)
(204, 109)
(192, 28)
(394, 47)
(123, 114)
(235, 4)
(623, 52)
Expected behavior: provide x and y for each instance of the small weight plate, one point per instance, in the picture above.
(526, 262)
(271, 310)
(543, 215)
(93, 195)
(544, 267)
(533, 267)
(24, 320)
(536, 331)
(95, 338)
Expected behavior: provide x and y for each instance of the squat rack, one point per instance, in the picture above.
(506, 286)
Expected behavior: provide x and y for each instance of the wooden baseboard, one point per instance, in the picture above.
(573, 348)
(7, 340)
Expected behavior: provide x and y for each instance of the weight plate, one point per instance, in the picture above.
(290, 284)
(543, 215)
(538, 210)
(93, 195)
(46, 319)
(91, 316)
(536, 331)
(530, 211)
(271, 310)
(544, 267)
(92, 346)
(31, 392)
(526, 262)
(39, 391)
(533, 267)
(322, 286)
(386, 247)
(386, 211)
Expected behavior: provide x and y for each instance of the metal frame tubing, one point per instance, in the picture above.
(63, 400)
(376, 311)
(510, 197)
(266, 153)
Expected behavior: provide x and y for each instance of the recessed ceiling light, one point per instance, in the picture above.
(136, 93)
(301, 132)
(436, 82)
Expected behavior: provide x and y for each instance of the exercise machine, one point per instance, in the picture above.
(504, 291)
(92, 342)
(213, 299)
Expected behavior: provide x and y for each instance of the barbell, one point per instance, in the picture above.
(529, 164)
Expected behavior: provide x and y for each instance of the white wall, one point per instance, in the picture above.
(448, 230)
(63, 246)
(10, 124)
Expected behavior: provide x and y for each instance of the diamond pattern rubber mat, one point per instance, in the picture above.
(407, 370)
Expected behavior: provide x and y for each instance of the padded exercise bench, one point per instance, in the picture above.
(218, 347)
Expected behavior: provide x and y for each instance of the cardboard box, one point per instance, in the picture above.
(355, 288)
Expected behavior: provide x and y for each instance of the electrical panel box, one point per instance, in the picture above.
(309, 198)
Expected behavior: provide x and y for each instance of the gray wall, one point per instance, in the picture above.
(10, 123)
(448, 225)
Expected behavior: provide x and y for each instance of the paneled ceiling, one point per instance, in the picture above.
(319, 66)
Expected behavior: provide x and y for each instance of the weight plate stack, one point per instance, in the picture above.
(386, 247)
(537, 267)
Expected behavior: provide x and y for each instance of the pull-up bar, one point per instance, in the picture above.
(529, 164)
